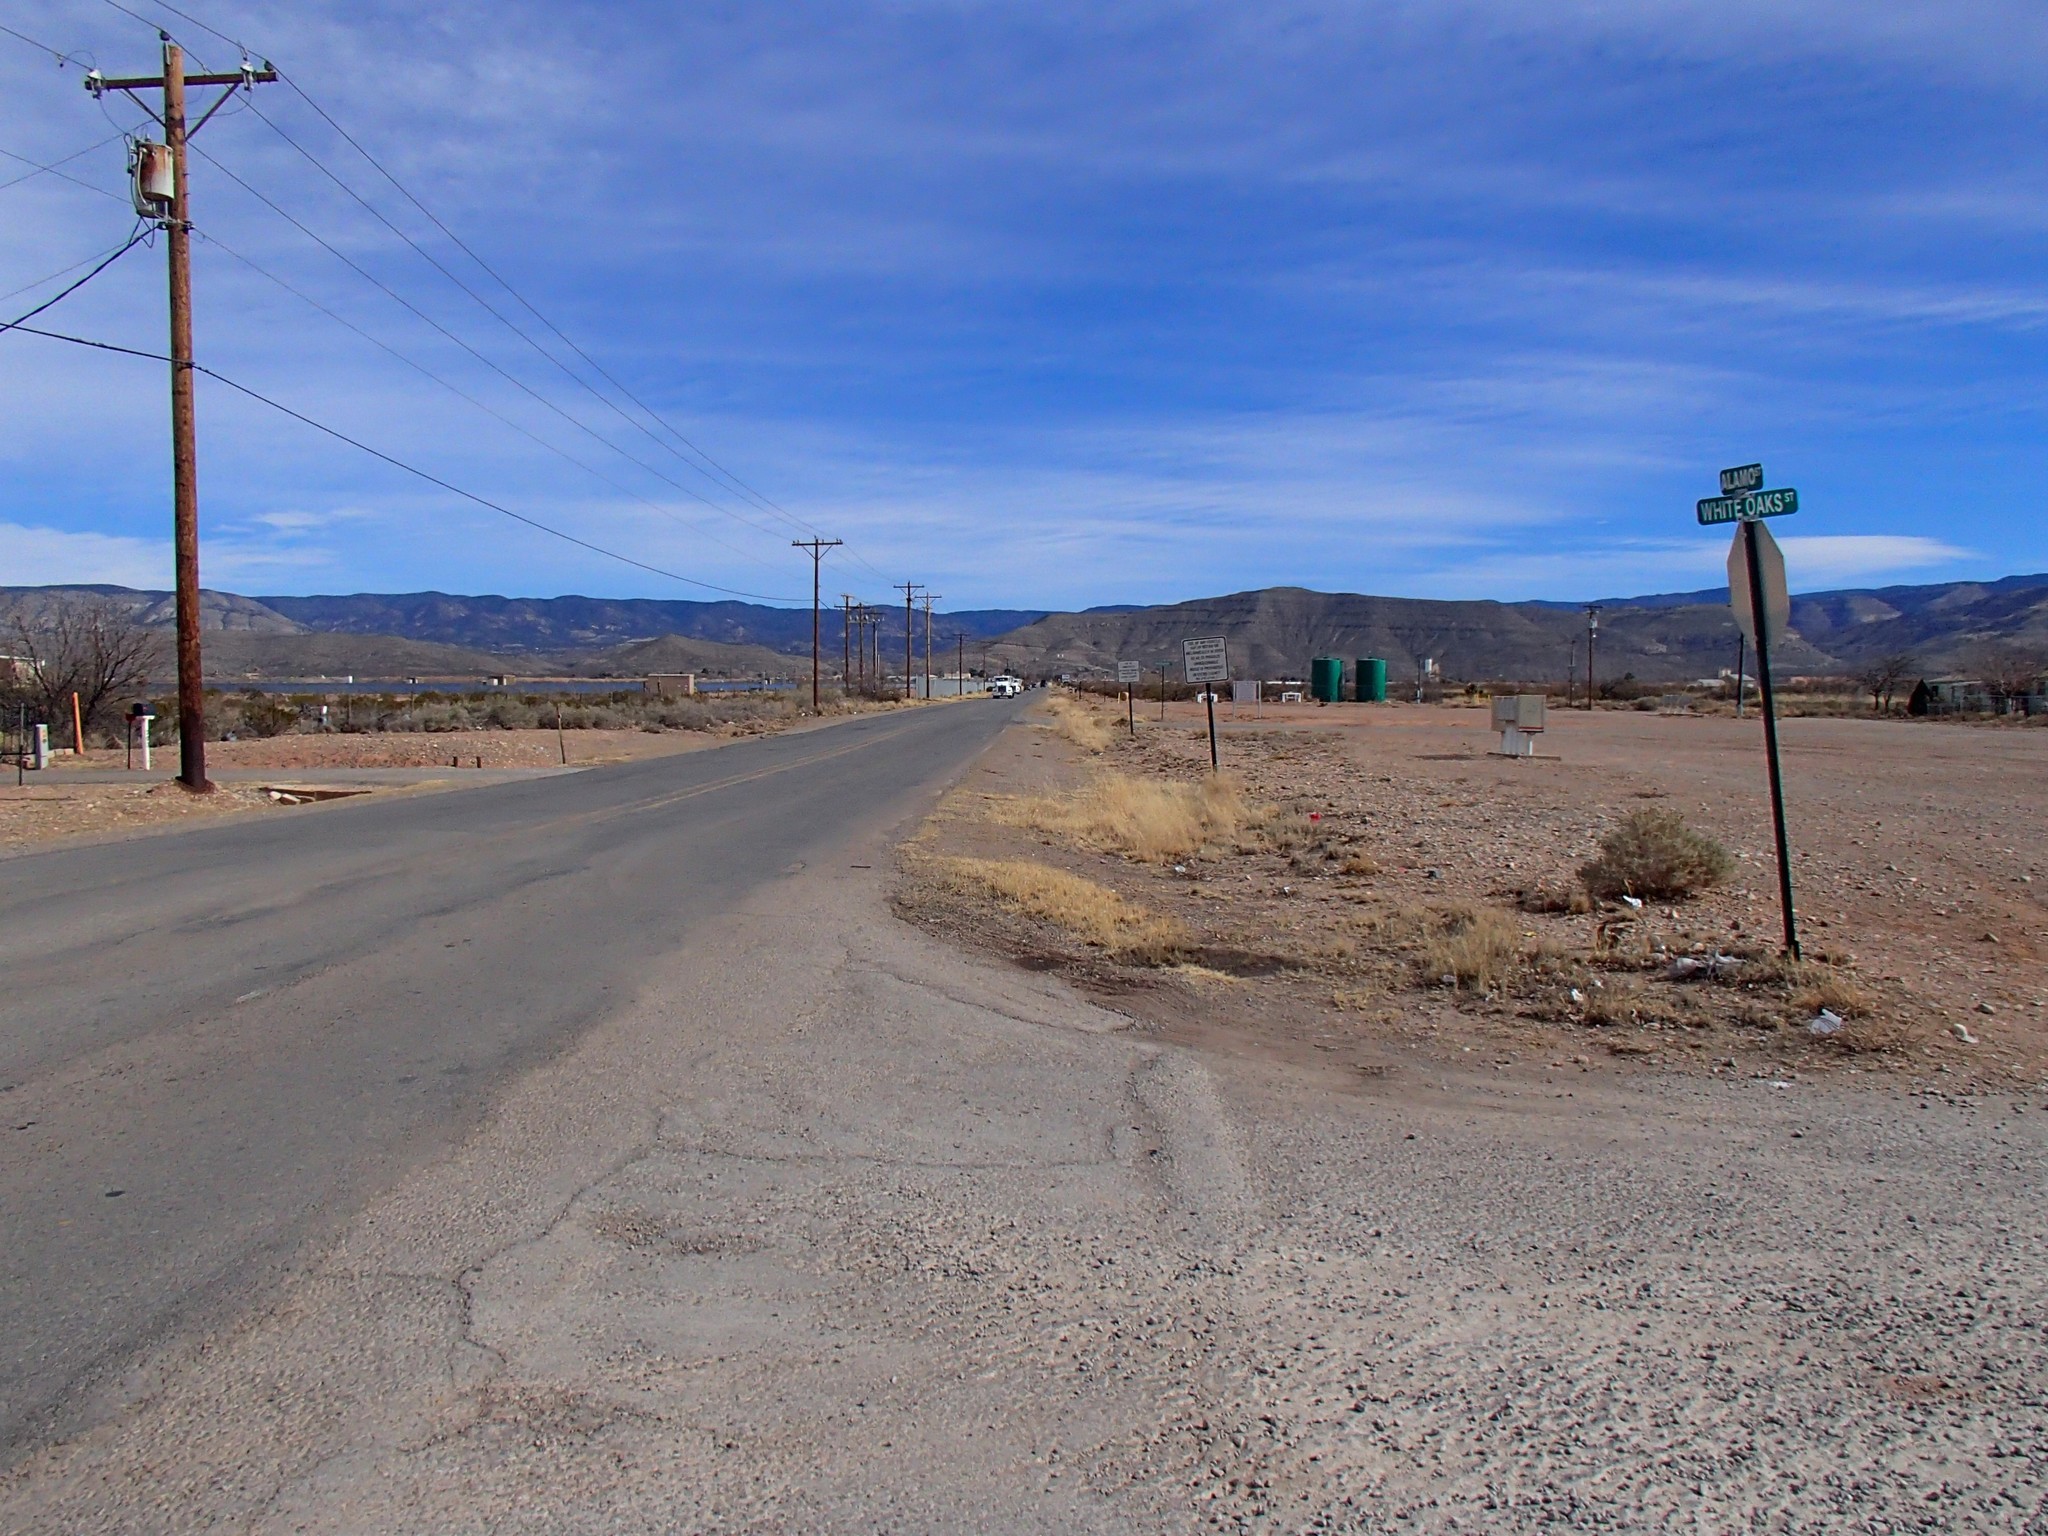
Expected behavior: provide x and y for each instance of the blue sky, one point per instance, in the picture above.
(1050, 305)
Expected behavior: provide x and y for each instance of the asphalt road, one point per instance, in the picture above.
(215, 1045)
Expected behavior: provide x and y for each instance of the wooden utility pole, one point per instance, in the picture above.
(817, 547)
(960, 661)
(909, 631)
(929, 599)
(845, 642)
(1592, 634)
(174, 216)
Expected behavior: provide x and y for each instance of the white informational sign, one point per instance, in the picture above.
(1245, 691)
(1204, 660)
(1128, 672)
(1771, 565)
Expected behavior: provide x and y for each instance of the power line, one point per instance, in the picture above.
(461, 394)
(60, 272)
(499, 315)
(396, 463)
(710, 468)
(58, 54)
(503, 373)
(51, 168)
(105, 262)
(182, 15)
(735, 482)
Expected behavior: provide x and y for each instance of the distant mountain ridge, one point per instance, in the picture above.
(1273, 631)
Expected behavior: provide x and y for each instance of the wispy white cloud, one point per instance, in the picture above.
(1842, 559)
(52, 556)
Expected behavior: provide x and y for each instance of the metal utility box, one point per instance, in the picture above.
(1519, 719)
(1521, 711)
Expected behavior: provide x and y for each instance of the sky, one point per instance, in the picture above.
(1045, 305)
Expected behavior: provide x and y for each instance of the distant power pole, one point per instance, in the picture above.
(960, 661)
(161, 195)
(845, 641)
(1592, 634)
(909, 630)
(817, 547)
(929, 599)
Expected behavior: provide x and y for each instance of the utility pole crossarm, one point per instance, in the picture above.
(264, 76)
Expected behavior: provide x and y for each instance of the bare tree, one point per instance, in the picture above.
(1883, 677)
(93, 648)
(2008, 670)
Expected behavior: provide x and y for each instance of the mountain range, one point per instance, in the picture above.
(1273, 632)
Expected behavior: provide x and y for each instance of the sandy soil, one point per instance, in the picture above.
(1918, 877)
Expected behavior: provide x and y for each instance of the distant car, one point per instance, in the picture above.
(1005, 687)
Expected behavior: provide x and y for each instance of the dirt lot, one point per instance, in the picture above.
(1396, 882)
(55, 805)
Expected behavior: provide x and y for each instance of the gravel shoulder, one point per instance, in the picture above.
(840, 1226)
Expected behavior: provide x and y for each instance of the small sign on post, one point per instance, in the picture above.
(1747, 508)
(1742, 479)
(1207, 661)
(1128, 673)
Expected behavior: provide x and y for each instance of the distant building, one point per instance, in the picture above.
(671, 685)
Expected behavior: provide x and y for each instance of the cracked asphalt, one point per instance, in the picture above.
(216, 1043)
(808, 1221)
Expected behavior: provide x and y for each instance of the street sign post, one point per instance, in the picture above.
(1207, 661)
(1745, 508)
(1763, 611)
(1128, 673)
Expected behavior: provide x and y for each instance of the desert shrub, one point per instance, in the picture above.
(511, 715)
(682, 715)
(1654, 856)
(262, 715)
(1094, 913)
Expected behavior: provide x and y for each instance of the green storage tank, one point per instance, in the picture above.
(1372, 680)
(1326, 679)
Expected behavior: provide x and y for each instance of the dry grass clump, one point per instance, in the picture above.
(1553, 899)
(1472, 945)
(1653, 855)
(1838, 994)
(1477, 945)
(1093, 913)
(1140, 818)
(1079, 724)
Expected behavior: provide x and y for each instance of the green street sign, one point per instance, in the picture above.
(1747, 509)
